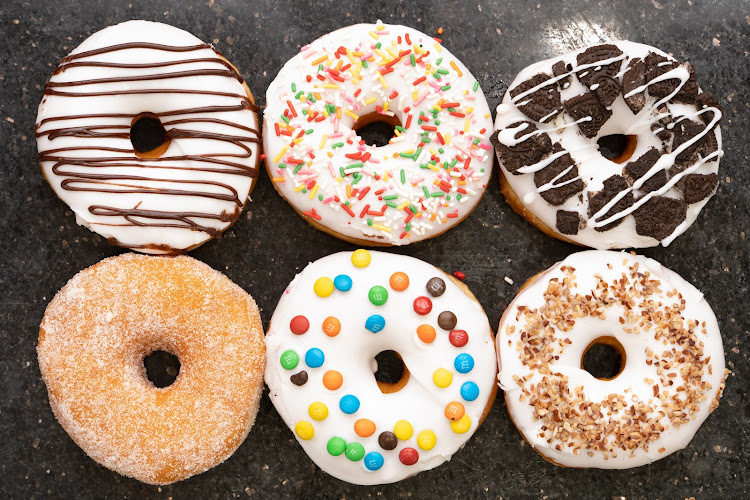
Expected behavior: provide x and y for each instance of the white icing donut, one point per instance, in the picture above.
(546, 140)
(431, 174)
(321, 363)
(672, 376)
(199, 184)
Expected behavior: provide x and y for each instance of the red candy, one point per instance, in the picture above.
(459, 275)
(458, 338)
(422, 305)
(299, 325)
(408, 456)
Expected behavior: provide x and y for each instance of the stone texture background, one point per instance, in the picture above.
(42, 247)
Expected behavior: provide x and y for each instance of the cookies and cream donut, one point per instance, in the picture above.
(150, 136)
(94, 338)
(671, 361)
(657, 129)
(430, 175)
(330, 328)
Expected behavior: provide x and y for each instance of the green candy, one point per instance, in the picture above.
(354, 451)
(336, 446)
(289, 360)
(378, 295)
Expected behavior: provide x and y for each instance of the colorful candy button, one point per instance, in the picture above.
(354, 451)
(447, 320)
(364, 427)
(314, 358)
(454, 410)
(422, 305)
(331, 326)
(318, 411)
(374, 460)
(336, 446)
(435, 287)
(323, 287)
(442, 378)
(361, 258)
(426, 333)
(387, 440)
(458, 338)
(299, 379)
(349, 404)
(408, 456)
(332, 380)
(342, 282)
(378, 295)
(461, 425)
(464, 363)
(469, 391)
(289, 360)
(375, 323)
(403, 430)
(299, 325)
(399, 281)
(304, 430)
(426, 440)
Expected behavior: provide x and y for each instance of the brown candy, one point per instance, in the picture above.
(299, 378)
(447, 320)
(387, 440)
(435, 287)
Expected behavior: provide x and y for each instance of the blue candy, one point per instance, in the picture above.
(342, 282)
(375, 323)
(469, 391)
(314, 358)
(464, 363)
(374, 460)
(349, 404)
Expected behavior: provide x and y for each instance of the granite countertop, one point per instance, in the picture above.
(42, 246)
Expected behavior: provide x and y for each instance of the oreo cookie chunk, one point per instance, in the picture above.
(541, 105)
(597, 201)
(527, 152)
(559, 69)
(568, 222)
(602, 80)
(634, 78)
(636, 169)
(656, 66)
(686, 131)
(707, 100)
(697, 187)
(659, 217)
(588, 105)
(558, 195)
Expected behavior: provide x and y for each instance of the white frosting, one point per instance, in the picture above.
(593, 168)
(405, 179)
(233, 160)
(637, 380)
(352, 353)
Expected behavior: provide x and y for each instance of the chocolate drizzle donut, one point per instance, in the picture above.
(181, 179)
(611, 146)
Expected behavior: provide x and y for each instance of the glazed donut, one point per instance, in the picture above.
(611, 146)
(332, 325)
(671, 361)
(430, 175)
(150, 136)
(92, 343)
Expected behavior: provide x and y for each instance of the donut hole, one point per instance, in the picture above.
(148, 136)
(617, 148)
(604, 358)
(162, 368)
(391, 374)
(376, 129)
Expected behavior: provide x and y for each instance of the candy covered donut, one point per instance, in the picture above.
(93, 340)
(150, 136)
(671, 370)
(430, 175)
(610, 146)
(337, 322)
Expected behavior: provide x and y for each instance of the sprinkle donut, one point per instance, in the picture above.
(671, 372)
(430, 175)
(611, 146)
(325, 346)
(150, 136)
(93, 341)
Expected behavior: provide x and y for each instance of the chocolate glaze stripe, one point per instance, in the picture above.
(103, 64)
(159, 76)
(136, 45)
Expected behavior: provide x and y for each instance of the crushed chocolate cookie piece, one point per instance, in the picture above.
(634, 78)
(689, 90)
(661, 132)
(560, 68)
(557, 195)
(697, 187)
(659, 217)
(710, 144)
(543, 103)
(684, 131)
(598, 53)
(606, 89)
(657, 65)
(568, 222)
(636, 169)
(707, 100)
(585, 105)
(526, 152)
(597, 201)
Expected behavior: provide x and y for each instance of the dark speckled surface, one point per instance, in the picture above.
(41, 246)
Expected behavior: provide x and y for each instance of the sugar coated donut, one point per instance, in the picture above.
(150, 136)
(610, 146)
(93, 340)
(671, 361)
(328, 347)
(430, 175)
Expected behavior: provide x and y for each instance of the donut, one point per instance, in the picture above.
(426, 179)
(362, 416)
(94, 338)
(610, 146)
(150, 136)
(670, 374)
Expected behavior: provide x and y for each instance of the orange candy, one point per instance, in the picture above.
(332, 380)
(454, 411)
(331, 326)
(364, 428)
(426, 333)
(399, 281)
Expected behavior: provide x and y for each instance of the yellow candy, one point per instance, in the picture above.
(304, 430)
(426, 440)
(403, 430)
(361, 258)
(462, 425)
(323, 287)
(442, 378)
(318, 411)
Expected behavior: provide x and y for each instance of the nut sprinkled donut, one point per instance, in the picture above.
(430, 175)
(93, 340)
(150, 136)
(381, 364)
(611, 146)
(671, 372)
